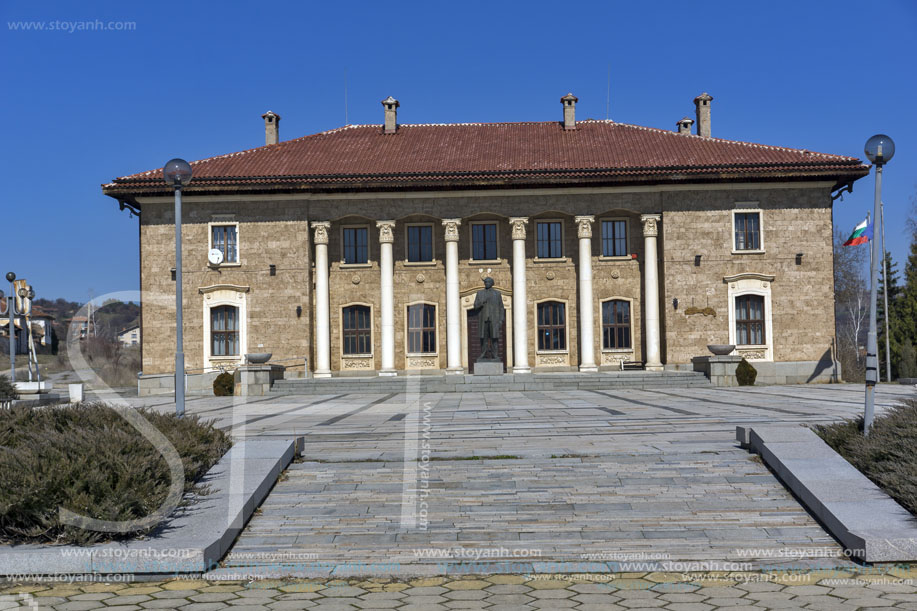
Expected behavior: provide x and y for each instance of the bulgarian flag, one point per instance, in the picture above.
(861, 234)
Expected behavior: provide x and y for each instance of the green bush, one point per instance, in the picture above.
(907, 365)
(89, 459)
(746, 374)
(223, 385)
(887, 455)
(7, 390)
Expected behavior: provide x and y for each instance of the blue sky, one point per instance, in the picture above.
(80, 108)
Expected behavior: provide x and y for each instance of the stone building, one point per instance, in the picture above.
(361, 248)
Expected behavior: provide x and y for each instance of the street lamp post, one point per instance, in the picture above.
(177, 174)
(879, 150)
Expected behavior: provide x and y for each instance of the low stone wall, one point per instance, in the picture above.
(200, 384)
(786, 372)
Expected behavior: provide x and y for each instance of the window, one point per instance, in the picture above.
(552, 326)
(420, 243)
(615, 324)
(750, 320)
(355, 245)
(550, 240)
(747, 230)
(224, 331)
(484, 241)
(614, 238)
(357, 330)
(421, 329)
(224, 239)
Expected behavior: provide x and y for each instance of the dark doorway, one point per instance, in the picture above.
(474, 341)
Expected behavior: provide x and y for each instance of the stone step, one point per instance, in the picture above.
(504, 383)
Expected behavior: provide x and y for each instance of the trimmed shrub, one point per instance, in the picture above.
(746, 374)
(224, 385)
(887, 455)
(7, 390)
(89, 459)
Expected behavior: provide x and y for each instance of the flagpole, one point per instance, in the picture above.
(888, 350)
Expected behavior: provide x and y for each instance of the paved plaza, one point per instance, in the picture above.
(524, 500)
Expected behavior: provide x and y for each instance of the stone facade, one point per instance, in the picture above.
(696, 221)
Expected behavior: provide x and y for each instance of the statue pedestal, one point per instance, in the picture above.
(488, 368)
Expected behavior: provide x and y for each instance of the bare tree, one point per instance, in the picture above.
(851, 306)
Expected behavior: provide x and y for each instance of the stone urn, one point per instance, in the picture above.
(721, 349)
(258, 358)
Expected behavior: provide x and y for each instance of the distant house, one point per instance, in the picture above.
(80, 326)
(130, 336)
(42, 333)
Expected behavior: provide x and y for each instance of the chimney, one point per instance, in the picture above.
(271, 127)
(569, 101)
(702, 102)
(391, 115)
(684, 125)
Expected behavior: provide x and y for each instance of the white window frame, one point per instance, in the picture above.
(407, 244)
(372, 331)
(566, 303)
(745, 208)
(630, 302)
(210, 246)
(752, 284)
(369, 258)
(223, 295)
(471, 242)
(563, 239)
(435, 328)
(627, 240)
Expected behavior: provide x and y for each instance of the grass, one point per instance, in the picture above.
(887, 456)
(90, 460)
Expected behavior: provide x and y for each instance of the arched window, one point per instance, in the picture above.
(552, 326)
(421, 328)
(224, 331)
(615, 324)
(357, 330)
(750, 320)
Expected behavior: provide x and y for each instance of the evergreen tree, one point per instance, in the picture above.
(894, 291)
(905, 311)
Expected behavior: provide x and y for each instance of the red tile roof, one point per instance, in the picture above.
(360, 157)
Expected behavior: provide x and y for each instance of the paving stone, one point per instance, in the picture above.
(212, 597)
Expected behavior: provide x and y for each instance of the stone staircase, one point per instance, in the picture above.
(503, 383)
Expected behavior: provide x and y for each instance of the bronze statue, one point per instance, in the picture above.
(489, 304)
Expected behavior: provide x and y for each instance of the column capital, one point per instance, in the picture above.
(584, 226)
(452, 225)
(519, 223)
(650, 224)
(321, 231)
(386, 231)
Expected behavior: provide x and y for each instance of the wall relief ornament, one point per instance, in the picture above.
(552, 359)
(518, 224)
(365, 363)
(759, 355)
(355, 278)
(420, 278)
(615, 275)
(705, 311)
(550, 275)
(415, 362)
(386, 231)
(452, 229)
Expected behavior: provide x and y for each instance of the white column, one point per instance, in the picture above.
(587, 334)
(322, 313)
(520, 300)
(651, 291)
(387, 282)
(453, 305)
